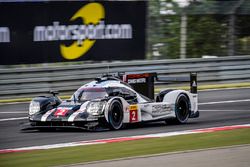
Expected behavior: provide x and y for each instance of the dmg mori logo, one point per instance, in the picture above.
(84, 36)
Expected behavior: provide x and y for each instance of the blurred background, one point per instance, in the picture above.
(61, 45)
(196, 28)
(161, 29)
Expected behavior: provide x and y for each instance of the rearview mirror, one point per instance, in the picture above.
(54, 92)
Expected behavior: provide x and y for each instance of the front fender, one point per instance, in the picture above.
(125, 106)
(47, 103)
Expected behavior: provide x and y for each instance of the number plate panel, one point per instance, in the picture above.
(133, 113)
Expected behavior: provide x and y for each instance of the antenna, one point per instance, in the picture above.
(74, 98)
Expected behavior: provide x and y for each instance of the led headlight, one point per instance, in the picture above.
(34, 107)
(96, 107)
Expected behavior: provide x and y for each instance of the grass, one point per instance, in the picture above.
(212, 86)
(80, 154)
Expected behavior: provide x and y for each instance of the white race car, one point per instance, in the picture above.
(113, 102)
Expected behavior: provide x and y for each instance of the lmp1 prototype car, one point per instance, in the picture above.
(112, 102)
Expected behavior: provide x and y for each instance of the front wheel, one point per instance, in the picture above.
(115, 115)
(182, 109)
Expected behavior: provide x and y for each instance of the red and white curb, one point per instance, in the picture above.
(121, 139)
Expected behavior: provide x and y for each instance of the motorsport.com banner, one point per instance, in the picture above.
(42, 32)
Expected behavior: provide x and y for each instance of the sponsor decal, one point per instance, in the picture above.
(140, 80)
(136, 76)
(161, 109)
(61, 111)
(83, 35)
(133, 113)
(194, 84)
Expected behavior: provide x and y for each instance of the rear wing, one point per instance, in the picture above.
(144, 82)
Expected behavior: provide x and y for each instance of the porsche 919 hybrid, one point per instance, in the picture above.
(112, 102)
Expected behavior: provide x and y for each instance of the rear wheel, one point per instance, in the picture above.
(115, 115)
(182, 109)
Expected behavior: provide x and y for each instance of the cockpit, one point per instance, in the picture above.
(84, 94)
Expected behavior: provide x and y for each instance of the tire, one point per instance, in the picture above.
(182, 109)
(115, 115)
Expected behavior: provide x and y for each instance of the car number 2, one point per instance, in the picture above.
(133, 112)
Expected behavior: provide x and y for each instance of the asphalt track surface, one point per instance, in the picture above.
(217, 108)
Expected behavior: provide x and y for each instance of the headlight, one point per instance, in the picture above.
(34, 107)
(96, 108)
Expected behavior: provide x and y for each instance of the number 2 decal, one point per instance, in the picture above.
(133, 112)
(133, 115)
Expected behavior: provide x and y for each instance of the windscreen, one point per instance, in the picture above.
(84, 94)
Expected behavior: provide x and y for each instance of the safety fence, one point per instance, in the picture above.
(33, 81)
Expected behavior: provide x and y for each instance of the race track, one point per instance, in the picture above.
(217, 108)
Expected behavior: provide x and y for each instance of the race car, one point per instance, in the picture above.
(113, 101)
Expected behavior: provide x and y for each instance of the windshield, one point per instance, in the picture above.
(83, 94)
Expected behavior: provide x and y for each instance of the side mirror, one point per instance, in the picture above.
(54, 92)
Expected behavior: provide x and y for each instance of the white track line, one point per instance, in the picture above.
(225, 110)
(11, 103)
(13, 119)
(207, 103)
(14, 112)
(205, 90)
(121, 139)
(221, 89)
(229, 101)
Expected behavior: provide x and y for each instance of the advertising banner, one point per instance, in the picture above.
(62, 31)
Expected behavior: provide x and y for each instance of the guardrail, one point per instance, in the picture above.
(33, 81)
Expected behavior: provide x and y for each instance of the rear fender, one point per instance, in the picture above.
(173, 95)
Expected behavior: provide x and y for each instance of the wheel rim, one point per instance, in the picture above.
(182, 110)
(116, 116)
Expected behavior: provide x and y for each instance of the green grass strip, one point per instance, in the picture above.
(200, 87)
(80, 154)
(212, 86)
